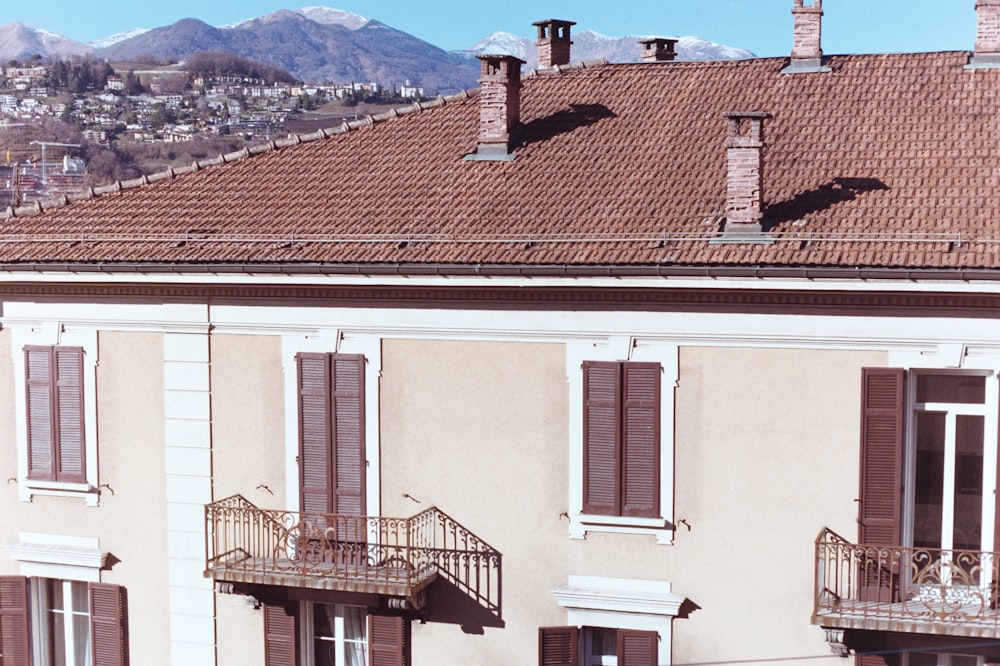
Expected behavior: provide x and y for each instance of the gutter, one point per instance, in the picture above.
(520, 270)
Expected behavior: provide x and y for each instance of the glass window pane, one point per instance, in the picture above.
(54, 590)
(81, 639)
(57, 639)
(968, 482)
(925, 659)
(81, 601)
(929, 490)
(964, 389)
(964, 660)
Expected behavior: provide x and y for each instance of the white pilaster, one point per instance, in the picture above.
(187, 401)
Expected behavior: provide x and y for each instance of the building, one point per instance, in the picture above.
(603, 363)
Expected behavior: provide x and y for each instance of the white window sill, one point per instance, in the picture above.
(658, 527)
(28, 488)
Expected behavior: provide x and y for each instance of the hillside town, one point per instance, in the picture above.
(51, 121)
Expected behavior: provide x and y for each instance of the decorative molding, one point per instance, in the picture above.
(835, 637)
(662, 294)
(58, 556)
(619, 595)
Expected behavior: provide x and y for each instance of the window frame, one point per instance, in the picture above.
(57, 336)
(622, 604)
(621, 349)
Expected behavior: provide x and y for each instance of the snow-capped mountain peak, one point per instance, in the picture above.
(118, 37)
(330, 16)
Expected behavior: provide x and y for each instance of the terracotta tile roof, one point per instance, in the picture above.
(886, 161)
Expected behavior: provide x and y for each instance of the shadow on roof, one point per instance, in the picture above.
(565, 121)
(818, 199)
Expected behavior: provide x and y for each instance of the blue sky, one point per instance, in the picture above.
(763, 26)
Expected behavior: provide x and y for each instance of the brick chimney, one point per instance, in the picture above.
(744, 177)
(658, 49)
(807, 53)
(499, 105)
(988, 33)
(553, 42)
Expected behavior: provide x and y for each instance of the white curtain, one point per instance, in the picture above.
(355, 642)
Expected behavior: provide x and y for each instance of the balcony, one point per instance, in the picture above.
(900, 589)
(396, 557)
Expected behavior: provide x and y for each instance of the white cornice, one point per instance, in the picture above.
(618, 595)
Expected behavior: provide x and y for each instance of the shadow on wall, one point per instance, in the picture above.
(447, 604)
(818, 199)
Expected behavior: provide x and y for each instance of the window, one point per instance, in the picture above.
(928, 447)
(56, 412)
(331, 433)
(932, 659)
(55, 416)
(62, 622)
(594, 646)
(621, 439)
(625, 622)
(333, 635)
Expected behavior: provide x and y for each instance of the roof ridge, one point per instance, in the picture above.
(60, 200)
(555, 70)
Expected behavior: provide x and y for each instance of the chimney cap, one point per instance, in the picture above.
(658, 49)
(557, 22)
(763, 115)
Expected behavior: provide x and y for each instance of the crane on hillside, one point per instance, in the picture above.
(44, 144)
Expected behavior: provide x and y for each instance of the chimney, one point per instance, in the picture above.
(988, 34)
(658, 49)
(807, 54)
(744, 178)
(553, 42)
(499, 105)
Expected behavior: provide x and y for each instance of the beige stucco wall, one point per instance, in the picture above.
(130, 521)
(248, 451)
(8, 454)
(766, 456)
(479, 430)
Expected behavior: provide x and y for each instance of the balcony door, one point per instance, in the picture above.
(951, 468)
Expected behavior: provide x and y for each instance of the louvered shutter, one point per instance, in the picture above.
(637, 648)
(870, 660)
(279, 636)
(881, 456)
(41, 436)
(601, 438)
(108, 625)
(15, 640)
(558, 646)
(880, 496)
(641, 440)
(388, 641)
(349, 433)
(315, 463)
(70, 451)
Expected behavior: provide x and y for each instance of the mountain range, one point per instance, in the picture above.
(320, 44)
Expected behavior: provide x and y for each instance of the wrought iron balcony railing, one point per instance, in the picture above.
(398, 557)
(896, 588)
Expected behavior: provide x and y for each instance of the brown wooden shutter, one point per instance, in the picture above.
(601, 437)
(558, 646)
(637, 648)
(56, 446)
(332, 433)
(15, 639)
(71, 448)
(108, 625)
(349, 433)
(41, 436)
(880, 500)
(388, 641)
(870, 660)
(641, 440)
(315, 427)
(280, 636)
